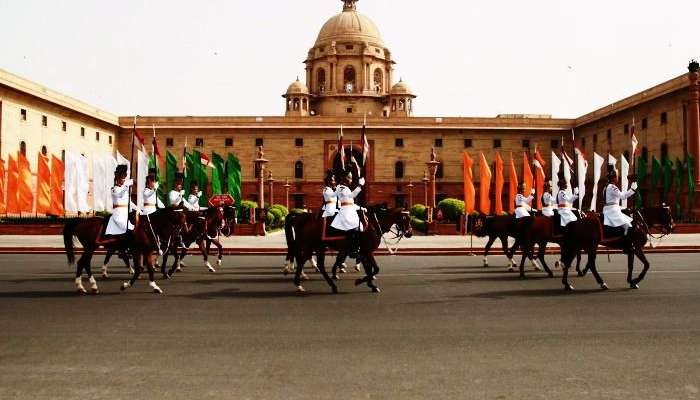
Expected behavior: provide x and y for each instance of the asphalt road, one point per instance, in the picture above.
(442, 328)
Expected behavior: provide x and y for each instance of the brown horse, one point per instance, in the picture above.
(304, 238)
(139, 243)
(495, 227)
(587, 233)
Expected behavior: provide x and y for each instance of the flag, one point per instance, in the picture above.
(365, 142)
(469, 194)
(43, 185)
(691, 182)
(341, 148)
(170, 170)
(155, 149)
(633, 139)
(140, 141)
(218, 175)
(641, 176)
(667, 179)
(141, 173)
(568, 168)
(484, 185)
(121, 160)
(499, 185)
(512, 184)
(204, 160)
(153, 163)
(25, 195)
(597, 165)
(70, 182)
(539, 165)
(612, 161)
(185, 165)
(100, 182)
(677, 182)
(57, 172)
(12, 186)
(200, 176)
(581, 168)
(527, 175)
(624, 181)
(3, 205)
(556, 167)
(233, 177)
(655, 175)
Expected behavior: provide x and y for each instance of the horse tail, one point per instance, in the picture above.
(68, 233)
(289, 235)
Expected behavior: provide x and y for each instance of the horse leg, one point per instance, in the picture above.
(371, 267)
(630, 269)
(591, 266)
(205, 254)
(108, 256)
(486, 250)
(80, 266)
(639, 252)
(148, 260)
(124, 255)
(137, 272)
(220, 255)
(87, 258)
(566, 259)
(164, 266)
(541, 249)
(299, 255)
(339, 259)
(321, 261)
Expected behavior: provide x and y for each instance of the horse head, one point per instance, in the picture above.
(477, 225)
(659, 217)
(388, 218)
(230, 219)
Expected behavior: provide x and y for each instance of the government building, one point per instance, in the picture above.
(349, 79)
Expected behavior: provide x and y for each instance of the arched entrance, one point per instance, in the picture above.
(365, 170)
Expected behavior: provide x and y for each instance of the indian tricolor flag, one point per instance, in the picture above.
(204, 160)
(633, 138)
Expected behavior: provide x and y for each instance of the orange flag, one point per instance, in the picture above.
(25, 195)
(3, 208)
(43, 185)
(469, 194)
(499, 185)
(527, 175)
(12, 184)
(484, 185)
(539, 164)
(56, 187)
(512, 185)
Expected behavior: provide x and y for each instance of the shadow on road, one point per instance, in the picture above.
(47, 295)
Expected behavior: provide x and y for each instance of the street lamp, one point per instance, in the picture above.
(410, 193)
(260, 168)
(425, 187)
(286, 193)
(432, 167)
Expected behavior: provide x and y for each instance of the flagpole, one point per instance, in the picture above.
(131, 170)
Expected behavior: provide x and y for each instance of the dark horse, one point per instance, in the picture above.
(139, 243)
(206, 228)
(304, 231)
(587, 233)
(495, 227)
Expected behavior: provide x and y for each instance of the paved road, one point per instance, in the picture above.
(443, 328)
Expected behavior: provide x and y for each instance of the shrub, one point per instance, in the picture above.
(282, 209)
(297, 211)
(419, 211)
(269, 219)
(418, 224)
(243, 210)
(451, 209)
(277, 217)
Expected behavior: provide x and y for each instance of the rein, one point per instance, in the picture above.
(398, 235)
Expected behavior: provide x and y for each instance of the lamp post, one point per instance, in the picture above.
(271, 182)
(425, 187)
(694, 118)
(432, 167)
(410, 193)
(286, 193)
(260, 168)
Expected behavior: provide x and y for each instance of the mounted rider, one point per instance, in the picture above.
(151, 202)
(347, 219)
(330, 196)
(565, 203)
(193, 198)
(176, 197)
(523, 205)
(613, 216)
(119, 222)
(548, 202)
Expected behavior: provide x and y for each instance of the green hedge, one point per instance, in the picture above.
(418, 224)
(243, 212)
(419, 211)
(297, 211)
(451, 209)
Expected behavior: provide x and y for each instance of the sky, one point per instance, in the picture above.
(237, 57)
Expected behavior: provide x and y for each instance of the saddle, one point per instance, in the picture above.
(609, 233)
(330, 234)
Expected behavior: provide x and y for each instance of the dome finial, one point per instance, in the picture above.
(349, 5)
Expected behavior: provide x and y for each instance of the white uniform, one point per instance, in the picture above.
(330, 202)
(566, 204)
(347, 218)
(522, 206)
(177, 199)
(612, 212)
(548, 205)
(151, 202)
(120, 214)
(193, 200)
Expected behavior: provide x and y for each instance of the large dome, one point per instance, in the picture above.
(349, 26)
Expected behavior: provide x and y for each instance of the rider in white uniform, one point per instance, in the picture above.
(330, 197)
(193, 198)
(347, 218)
(548, 202)
(151, 202)
(523, 204)
(565, 202)
(612, 212)
(119, 222)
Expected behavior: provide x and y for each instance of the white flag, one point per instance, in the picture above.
(70, 185)
(556, 164)
(83, 184)
(624, 171)
(581, 167)
(141, 173)
(98, 182)
(109, 165)
(597, 165)
(123, 161)
(612, 161)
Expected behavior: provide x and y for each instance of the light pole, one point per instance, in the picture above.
(410, 193)
(432, 167)
(286, 193)
(260, 168)
(425, 187)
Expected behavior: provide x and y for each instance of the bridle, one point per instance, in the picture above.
(397, 231)
(646, 229)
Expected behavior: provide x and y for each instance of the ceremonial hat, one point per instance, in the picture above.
(121, 170)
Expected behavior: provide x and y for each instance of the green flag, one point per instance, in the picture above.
(217, 174)
(170, 170)
(189, 172)
(201, 178)
(667, 179)
(690, 174)
(677, 181)
(233, 177)
(641, 176)
(656, 171)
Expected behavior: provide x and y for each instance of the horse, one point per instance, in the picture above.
(496, 227)
(306, 239)
(587, 233)
(123, 255)
(88, 232)
(206, 229)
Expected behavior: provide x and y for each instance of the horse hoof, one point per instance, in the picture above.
(634, 285)
(300, 289)
(342, 270)
(556, 265)
(568, 288)
(211, 269)
(336, 277)
(157, 290)
(178, 269)
(603, 286)
(522, 276)
(95, 291)
(131, 271)
(376, 290)
(357, 267)
(125, 286)
(486, 265)
(304, 276)
(551, 275)
(81, 291)
(219, 262)
(334, 290)
(511, 269)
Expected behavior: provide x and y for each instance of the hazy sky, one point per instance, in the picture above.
(236, 57)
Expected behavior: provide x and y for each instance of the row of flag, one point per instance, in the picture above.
(18, 186)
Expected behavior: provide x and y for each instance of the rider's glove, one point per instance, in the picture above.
(361, 181)
(576, 191)
(129, 182)
(634, 186)
(532, 191)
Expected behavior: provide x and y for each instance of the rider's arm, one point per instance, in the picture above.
(356, 191)
(159, 203)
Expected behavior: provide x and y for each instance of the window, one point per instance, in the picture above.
(63, 155)
(398, 170)
(526, 143)
(299, 170)
(664, 118)
(23, 114)
(349, 79)
(64, 126)
(349, 47)
(609, 135)
(44, 151)
(627, 129)
(97, 136)
(645, 154)
(438, 142)
(44, 120)
(299, 142)
(110, 139)
(378, 79)
(496, 143)
(438, 172)
(228, 142)
(664, 151)
(169, 142)
(321, 77)
(644, 123)
(398, 142)
(82, 132)
(23, 148)
(555, 143)
(259, 142)
(199, 142)
(467, 143)
(348, 110)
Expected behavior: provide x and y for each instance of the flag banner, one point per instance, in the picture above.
(691, 183)
(12, 186)
(656, 171)
(597, 166)
(624, 180)
(26, 196)
(100, 178)
(140, 141)
(43, 185)
(200, 176)
(633, 139)
(233, 177)
(185, 161)
(141, 173)
(170, 170)
(469, 191)
(365, 144)
(71, 182)
(667, 179)
(189, 171)
(528, 179)
(121, 160)
(57, 172)
(641, 177)
(3, 204)
(341, 148)
(156, 149)
(581, 169)
(677, 184)
(218, 176)
(83, 183)
(498, 210)
(512, 185)
(613, 161)
(540, 176)
(484, 185)
(568, 165)
(160, 192)
(556, 167)
(204, 160)
(109, 165)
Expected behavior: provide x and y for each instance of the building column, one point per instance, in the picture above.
(694, 120)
